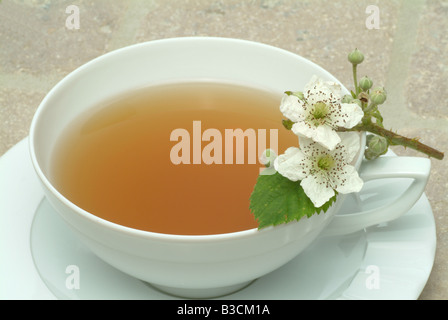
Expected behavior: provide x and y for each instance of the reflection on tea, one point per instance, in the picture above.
(116, 160)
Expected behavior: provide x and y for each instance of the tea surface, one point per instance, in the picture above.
(117, 161)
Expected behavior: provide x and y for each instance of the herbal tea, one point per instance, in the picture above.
(174, 159)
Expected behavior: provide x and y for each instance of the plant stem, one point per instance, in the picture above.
(355, 78)
(369, 108)
(395, 139)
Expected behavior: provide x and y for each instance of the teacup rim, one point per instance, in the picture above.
(134, 231)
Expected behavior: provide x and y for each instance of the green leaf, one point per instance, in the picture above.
(276, 200)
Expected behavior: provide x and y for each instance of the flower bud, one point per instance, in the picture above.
(363, 97)
(378, 96)
(376, 146)
(356, 57)
(365, 83)
(347, 98)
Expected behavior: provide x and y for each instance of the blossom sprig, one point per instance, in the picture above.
(370, 99)
(308, 177)
(322, 160)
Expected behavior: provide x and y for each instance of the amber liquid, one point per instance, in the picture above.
(115, 162)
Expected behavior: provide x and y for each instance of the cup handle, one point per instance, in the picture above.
(384, 168)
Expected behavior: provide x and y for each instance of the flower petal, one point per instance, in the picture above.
(311, 148)
(347, 180)
(292, 108)
(350, 145)
(317, 189)
(335, 88)
(318, 90)
(293, 164)
(349, 115)
(323, 134)
(315, 81)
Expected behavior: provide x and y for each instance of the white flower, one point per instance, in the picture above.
(320, 170)
(320, 112)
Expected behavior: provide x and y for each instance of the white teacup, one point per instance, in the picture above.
(209, 265)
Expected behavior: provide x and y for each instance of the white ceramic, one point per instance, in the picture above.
(38, 250)
(199, 266)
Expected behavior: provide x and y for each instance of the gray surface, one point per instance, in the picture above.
(408, 54)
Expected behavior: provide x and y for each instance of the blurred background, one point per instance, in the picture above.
(405, 44)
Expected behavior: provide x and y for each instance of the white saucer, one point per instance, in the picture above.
(37, 250)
